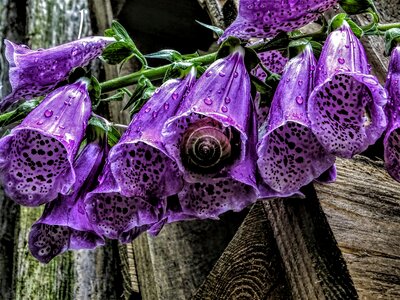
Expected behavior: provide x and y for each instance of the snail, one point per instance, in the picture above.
(207, 146)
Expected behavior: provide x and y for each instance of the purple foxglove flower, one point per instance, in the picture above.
(36, 157)
(392, 138)
(34, 73)
(212, 139)
(116, 216)
(139, 173)
(346, 105)
(266, 18)
(290, 156)
(273, 60)
(139, 162)
(64, 224)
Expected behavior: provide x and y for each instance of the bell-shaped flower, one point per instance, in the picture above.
(139, 173)
(35, 73)
(266, 18)
(346, 105)
(289, 154)
(212, 139)
(392, 138)
(64, 224)
(36, 158)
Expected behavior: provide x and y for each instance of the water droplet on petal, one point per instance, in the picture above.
(208, 101)
(209, 73)
(219, 92)
(224, 109)
(222, 74)
(300, 82)
(299, 99)
(175, 96)
(155, 114)
(227, 100)
(341, 60)
(147, 110)
(48, 113)
(40, 122)
(236, 74)
(56, 117)
(166, 106)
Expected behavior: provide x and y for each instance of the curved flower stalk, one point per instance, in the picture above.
(266, 18)
(289, 154)
(36, 157)
(210, 138)
(139, 162)
(139, 174)
(34, 73)
(64, 224)
(346, 106)
(392, 138)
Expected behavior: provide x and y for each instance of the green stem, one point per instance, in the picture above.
(152, 74)
(6, 116)
(385, 27)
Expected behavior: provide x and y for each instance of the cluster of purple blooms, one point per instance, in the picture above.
(198, 147)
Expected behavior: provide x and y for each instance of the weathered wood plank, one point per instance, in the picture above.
(250, 267)
(363, 209)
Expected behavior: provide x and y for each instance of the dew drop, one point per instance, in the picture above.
(155, 114)
(48, 113)
(300, 82)
(56, 117)
(219, 91)
(227, 100)
(157, 91)
(209, 73)
(236, 74)
(40, 122)
(222, 74)
(208, 101)
(147, 110)
(341, 60)
(166, 106)
(224, 109)
(299, 99)
(175, 96)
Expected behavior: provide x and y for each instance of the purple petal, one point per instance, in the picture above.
(139, 161)
(346, 107)
(64, 224)
(273, 60)
(209, 137)
(112, 214)
(392, 138)
(266, 18)
(35, 73)
(290, 155)
(36, 157)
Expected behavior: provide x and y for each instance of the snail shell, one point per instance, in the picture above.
(207, 146)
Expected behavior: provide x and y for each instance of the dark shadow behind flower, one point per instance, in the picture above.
(35, 73)
(392, 137)
(346, 106)
(210, 139)
(266, 18)
(139, 174)
(64, 224)
(289, 154)
(36, 157)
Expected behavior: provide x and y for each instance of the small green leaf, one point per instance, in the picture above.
(227, 46)
(177, 69)
(218, 31)
(355, 7)
(355, 28)
(337, 21)
(392, 39)
(19, 113)
(117, 52)
(170, 55)
(144, 88)
(121, 32)
(102, 125)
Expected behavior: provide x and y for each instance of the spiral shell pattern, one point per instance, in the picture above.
(207, 146)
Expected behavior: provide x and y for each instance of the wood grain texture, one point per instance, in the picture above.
(250, 267)
(363, 209)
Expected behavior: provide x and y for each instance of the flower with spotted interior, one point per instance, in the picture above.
(346, 105)
(36, 157)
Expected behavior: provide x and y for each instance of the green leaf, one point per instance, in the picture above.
(143, 91)
(177, 69)
(251, 59)
(280, 42)
(340, 19)
(102, 126)
(355, 7)
(120, 32)
(170, 55)
(392, 39)
(117, 52)
(95, 91)
(228, 46)
(355, 28)
(218, 31)
(19, 113)
(317, 48)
